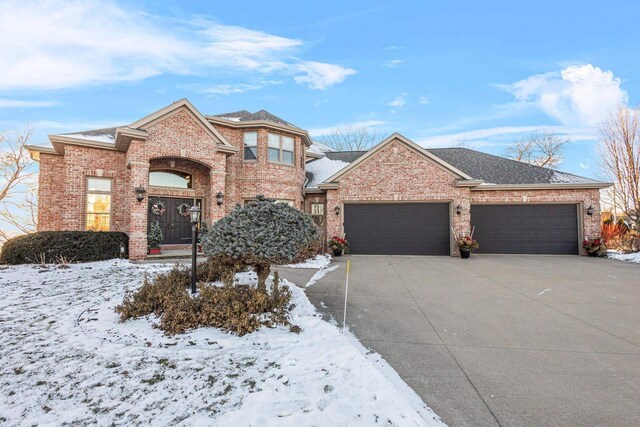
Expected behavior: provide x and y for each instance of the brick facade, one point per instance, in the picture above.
(179, 140)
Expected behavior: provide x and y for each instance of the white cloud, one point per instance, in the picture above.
(503, 135)
(19, 103)
(423, 100)
(578, 95)
(398, 102)
(324, 131)
(320, 75)
(393, 63)
(58, 44)
(236, 88)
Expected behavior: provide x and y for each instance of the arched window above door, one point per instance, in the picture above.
(170, 178)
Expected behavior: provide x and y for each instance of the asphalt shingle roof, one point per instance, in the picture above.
(486, 167)
(244, 116)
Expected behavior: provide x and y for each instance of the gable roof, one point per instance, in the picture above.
(493, 170)
(183, 103)
(408, 143)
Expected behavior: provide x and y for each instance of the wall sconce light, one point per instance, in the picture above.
(590, 210)
(219, 198)
(337, 210)
(458, 209)
(140, 193)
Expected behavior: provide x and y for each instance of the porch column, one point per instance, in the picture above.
(216, 185)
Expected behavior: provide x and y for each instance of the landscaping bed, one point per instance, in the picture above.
(68, 359)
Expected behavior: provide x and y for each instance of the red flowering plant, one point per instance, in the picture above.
(338, 244)
(596, 246)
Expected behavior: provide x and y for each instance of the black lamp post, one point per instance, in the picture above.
(194, 212)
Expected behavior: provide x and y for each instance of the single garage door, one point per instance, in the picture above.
(526, 229)
(397, 228)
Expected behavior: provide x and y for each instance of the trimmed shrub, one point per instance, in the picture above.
(261, 233)
(238, 309)
(71, 246)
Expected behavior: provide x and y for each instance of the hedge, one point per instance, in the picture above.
(72, 246)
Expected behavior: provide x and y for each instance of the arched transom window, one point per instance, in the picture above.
(170, 178)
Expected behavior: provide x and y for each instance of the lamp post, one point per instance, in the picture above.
(194, 212)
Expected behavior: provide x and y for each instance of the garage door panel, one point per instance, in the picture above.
(535, 229)
(394, 228)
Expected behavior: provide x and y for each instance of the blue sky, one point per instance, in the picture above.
(486, 73)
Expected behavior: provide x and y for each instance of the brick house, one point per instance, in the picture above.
(397, 198)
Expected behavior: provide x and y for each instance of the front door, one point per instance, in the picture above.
(176, 228)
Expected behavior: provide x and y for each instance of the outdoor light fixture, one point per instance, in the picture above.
(590, 210)
(337, 209)
(219, 198)
(458, 209)
(140, 193)
(194, 213)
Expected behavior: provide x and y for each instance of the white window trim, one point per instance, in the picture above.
(86, 199)
(244, 159)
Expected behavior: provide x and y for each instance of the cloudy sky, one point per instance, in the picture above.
(440, 73)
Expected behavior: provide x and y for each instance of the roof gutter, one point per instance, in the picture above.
(559, 186)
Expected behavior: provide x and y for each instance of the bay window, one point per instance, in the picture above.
(250, 146)
(280, 149)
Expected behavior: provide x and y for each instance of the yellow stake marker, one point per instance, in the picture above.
(346, 292)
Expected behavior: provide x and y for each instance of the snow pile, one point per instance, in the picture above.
(317, 262)
(67, 360)
(633, 257)
(322, 169)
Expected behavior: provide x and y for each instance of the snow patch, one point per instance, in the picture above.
(70, 361)
(322, 169)
(633, 257)
(317, 262)
(92, 137)
(320, 274)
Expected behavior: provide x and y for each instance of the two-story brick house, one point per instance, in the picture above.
(396, 198)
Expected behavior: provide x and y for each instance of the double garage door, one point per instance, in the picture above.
(424, 228)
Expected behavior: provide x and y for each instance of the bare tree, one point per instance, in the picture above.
(541, 149)
(17, 187)
(620, 153)
(350, 138)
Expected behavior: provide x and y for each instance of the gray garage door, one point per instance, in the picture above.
(398, 228)
(526, 229)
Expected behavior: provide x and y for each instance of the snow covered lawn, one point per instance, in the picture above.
(67, 360)
(633, 257)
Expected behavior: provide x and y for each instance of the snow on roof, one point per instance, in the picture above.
(99, 138)
(321, 169)
(318, 147)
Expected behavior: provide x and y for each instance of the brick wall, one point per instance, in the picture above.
(249, 178)
(397, 173)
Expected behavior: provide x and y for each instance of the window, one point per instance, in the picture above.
(286, 202)
(170, 178)
(317, 213)
(281, 149)
(98, 204)
(250, 150)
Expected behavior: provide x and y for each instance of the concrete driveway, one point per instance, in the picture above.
(501, 340)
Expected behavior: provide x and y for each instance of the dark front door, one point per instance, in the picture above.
(526, 229)
(397, 228)
(176, 229)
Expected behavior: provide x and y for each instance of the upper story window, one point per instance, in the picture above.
(98, 212)
(250, 146)
(281, 149)
(170, 178)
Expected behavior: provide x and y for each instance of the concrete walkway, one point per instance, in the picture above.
(500, 340)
